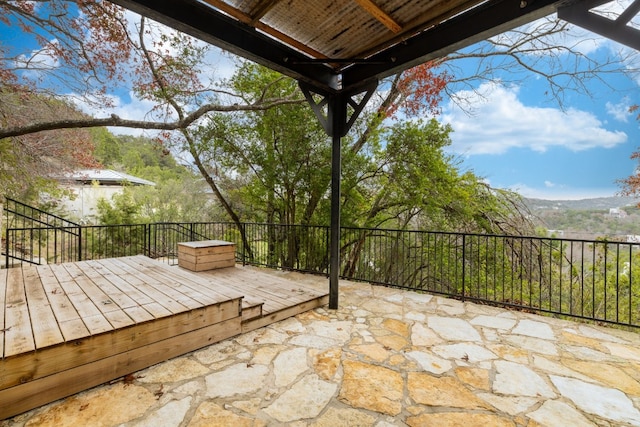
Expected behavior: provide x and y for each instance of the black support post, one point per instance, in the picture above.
(337, 120)
(337, 112)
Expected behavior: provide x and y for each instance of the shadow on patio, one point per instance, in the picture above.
(386, 358)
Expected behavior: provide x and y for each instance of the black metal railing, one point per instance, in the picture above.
(588, 279)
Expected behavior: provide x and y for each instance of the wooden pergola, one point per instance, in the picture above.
(338, 50)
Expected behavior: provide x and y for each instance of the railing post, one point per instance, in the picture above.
(146, 249)
(464, 247)
(80, 243)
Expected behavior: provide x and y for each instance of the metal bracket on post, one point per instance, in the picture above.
(337, 112)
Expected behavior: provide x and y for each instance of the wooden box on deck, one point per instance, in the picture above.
(206, 255)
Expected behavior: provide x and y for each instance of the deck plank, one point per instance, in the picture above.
(44, 325)
(109, 309)
(205, 289)
(71, 325)
(172, 287)
(3, 292)
(18, 335)
(160, 292)
(113, 274)
(96, 273)
(88, 312)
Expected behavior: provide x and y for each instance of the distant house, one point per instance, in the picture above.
(91, 185)
(617, 213)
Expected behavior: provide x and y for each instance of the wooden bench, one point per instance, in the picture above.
(206, 255)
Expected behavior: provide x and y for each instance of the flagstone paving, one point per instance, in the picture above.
(385, 358)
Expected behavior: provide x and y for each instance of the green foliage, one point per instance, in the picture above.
(122, 209)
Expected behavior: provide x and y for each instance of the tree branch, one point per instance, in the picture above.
(116, 121)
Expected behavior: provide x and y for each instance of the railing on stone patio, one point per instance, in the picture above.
(588, 279)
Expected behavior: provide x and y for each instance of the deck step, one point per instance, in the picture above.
(251, 311)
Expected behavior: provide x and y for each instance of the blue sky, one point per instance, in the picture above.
(516, 136)
(519, 138)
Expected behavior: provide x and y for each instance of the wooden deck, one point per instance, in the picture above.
(68, 327)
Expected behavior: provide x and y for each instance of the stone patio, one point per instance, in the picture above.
(386, 358)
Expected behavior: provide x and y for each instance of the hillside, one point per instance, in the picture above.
(582, 204)
(587, 218)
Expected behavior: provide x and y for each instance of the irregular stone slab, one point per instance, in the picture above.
(179, 369)
(312, 315)
(169, 415)
(236, 379)
(290, 325)
(315, 341)
(326, 363)
(371, 387)
(382, 308)
(588, 331)
(512, 405)
(397, 327)
(394, 342)
(471, 353)
(451, 307)
(519, 380)
(262, 336)
(551, 367)
(534, 329)
(305, 399)
(289, 365)
(553, 412)
(106, 406)
(375, 352)
(251, 406)
(217, 352)
(422, 336)
(534, 345)
(585, 353)
(264, 355)
(607, 375)
(475, 377)
(418, 298)
(494, 322)
(338, 331)
(210, 414)
(510, 353)
(624, 351)
(344, 417)
(188, 389)
(430, 362)
(447, 392)
(581, 340)
(605, 402)
(415, 315)
(453, 329)
(457, 419)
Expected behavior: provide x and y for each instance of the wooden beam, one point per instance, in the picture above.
(261, 9)
(380, 15)
(246, 19)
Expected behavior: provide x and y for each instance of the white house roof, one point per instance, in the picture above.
(106, 177)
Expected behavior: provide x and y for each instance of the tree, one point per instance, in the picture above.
(29, 163)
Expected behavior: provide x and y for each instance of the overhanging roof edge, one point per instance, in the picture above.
(197, 20)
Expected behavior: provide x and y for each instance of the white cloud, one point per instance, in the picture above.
(549, 184)
(501, 122)
(41, 59)
(620, 111)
